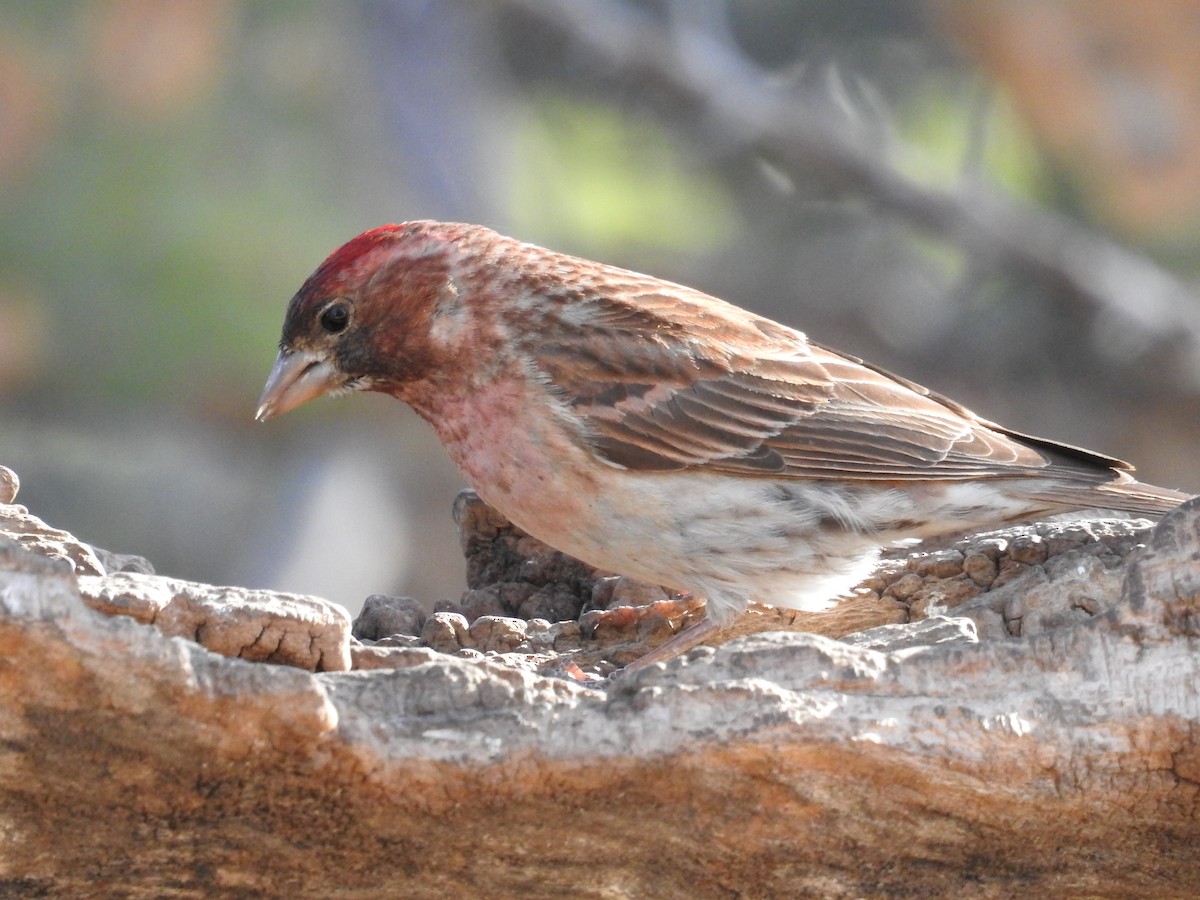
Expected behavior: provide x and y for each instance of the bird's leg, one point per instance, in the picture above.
(679, 644)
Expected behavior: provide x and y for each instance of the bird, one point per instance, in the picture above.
(652, 430)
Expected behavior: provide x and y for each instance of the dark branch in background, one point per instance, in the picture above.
(743, 104)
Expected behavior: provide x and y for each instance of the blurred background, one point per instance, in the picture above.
(1000, 200)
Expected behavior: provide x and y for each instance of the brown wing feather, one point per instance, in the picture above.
(670, 379)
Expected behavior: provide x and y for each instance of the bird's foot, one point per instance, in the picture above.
(682, 642)
(649, 624)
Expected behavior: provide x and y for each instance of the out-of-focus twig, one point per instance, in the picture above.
(735, 96)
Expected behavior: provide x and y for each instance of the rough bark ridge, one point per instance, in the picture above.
(913, 759)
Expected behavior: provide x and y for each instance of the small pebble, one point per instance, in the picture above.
(382, 616)
(1028, 549)
(487, 601)
(938, 564)
(980, 568)
(499, 634)
(9, 485)
(446, 632)
(904, 586)
(566, 636)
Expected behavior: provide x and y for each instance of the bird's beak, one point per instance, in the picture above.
(298, 376)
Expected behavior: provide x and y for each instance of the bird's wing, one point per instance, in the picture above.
(675, 379)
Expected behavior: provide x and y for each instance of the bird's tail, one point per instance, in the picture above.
(1124, 494)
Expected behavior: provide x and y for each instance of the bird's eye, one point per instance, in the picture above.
(335, 318)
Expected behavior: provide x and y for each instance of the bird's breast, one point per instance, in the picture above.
(520, 449)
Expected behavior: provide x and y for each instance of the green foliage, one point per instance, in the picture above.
(164, 255)
(602, 179)
(937, 122)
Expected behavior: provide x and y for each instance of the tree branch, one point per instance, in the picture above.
(742, 103)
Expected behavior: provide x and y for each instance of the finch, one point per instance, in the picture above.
(652, 430)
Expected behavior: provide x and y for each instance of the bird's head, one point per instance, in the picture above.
(363, 320)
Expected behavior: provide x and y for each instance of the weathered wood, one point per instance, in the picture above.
(776, 765)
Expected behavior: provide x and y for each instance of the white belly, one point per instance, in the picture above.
(787, 542)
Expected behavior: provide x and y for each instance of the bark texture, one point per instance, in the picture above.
(909, 759)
